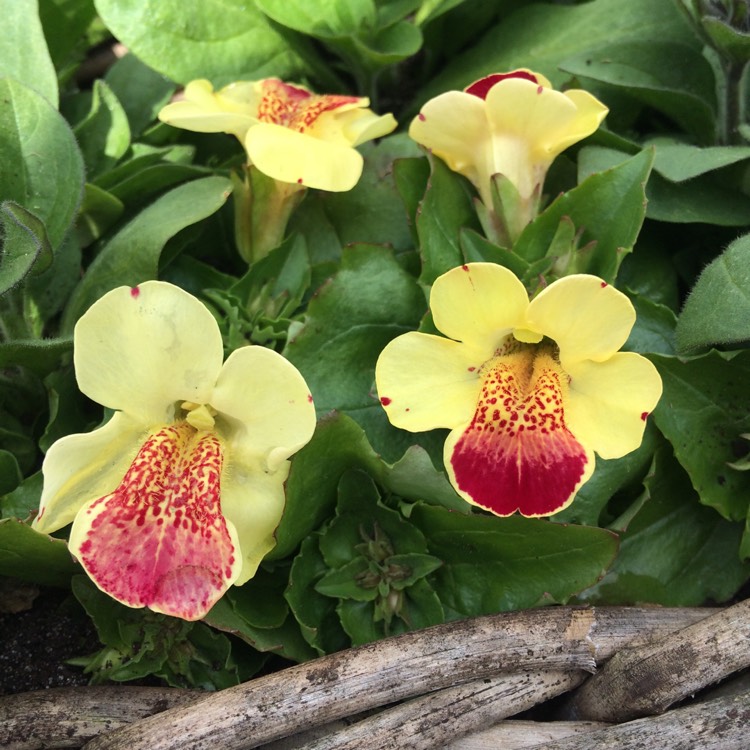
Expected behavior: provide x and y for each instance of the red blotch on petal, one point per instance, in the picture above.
(421, 117)
(385, 400)
(482, 87)
(134, 292)
(160, 539)
(603, 284)
(644, 415)
(517, 454)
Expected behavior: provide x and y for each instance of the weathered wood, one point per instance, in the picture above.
(517, 734)
(69, 717)
(650, 678)
(719, 724)
(441, 717)
(380, 673)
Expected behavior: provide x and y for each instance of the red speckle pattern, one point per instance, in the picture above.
(294, 107)
(517, 454)
(482, 87)
(160, 539)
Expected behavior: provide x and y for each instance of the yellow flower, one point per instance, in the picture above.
(529, 390)
(289, 133)
(513, 124)
(178, 495)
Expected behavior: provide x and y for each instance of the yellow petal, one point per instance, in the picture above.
(610, 402)
(454, 127)
(547, 120)
(267, 406)
(479, 304)
(289, 156)
(361, 125)
(144, 349)
(203, 111)
(253, 502)
(425, 382)
(586, 317)
(80, 468)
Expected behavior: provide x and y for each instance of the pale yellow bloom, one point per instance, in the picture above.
(288, 132)
(529, 389)
(178, 495)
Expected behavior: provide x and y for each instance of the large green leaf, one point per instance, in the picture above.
(222, 40)
(608, 208)
(34, 557)
(23, 245)
(672, 77)
(539, 36)
(132, 255)
(703, 412)
(23, 49)
(675, 552)
(42, 166)
(497, 564)
(718, 308)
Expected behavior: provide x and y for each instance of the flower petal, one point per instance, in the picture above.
(426, 382)
(141, 350)
(454, 127)
(253, 501)
(586, 317)
(548, 121)
(266, 404)
(80, 468)
(517, 454)
(361, 125)
(610, 402)
(290, 156)
(159, 540)
(231, 110)
(479, 304)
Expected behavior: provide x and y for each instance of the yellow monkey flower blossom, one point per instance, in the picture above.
(530, 390)
(511, 124)
(289, 133)
(178, 495)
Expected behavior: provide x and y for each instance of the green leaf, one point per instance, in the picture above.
(732, 42)
(327, 20)
(132, 255)
(315, 613)
(104, 134)
(675, 552)
(99, 211)
(141, 91)
(540, 35)
(495, 564)
(65, 23)
(34, 557)
(345, 329)
(718, 308)
(445, 210)
(44, 170)
(339, 444)
(654, 328)
(23, 49)
(678, 161)
(607, 207)
(39, 355)
(703, 412)
(23, 502)
(10, 473)
(672, 77)
(222, 40)
(25, 247)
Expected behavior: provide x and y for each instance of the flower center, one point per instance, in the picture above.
(517, 453)
(160, 540)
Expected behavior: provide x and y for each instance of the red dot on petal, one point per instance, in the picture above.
(385, 400)
(644, 416)
(603, 284)
(422, 118)
(134, 292)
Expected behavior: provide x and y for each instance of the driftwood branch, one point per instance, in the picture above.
(433, 720)
(518, 734)
(648, 679)
(69, 717)
(719, 724)
(352, 681)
